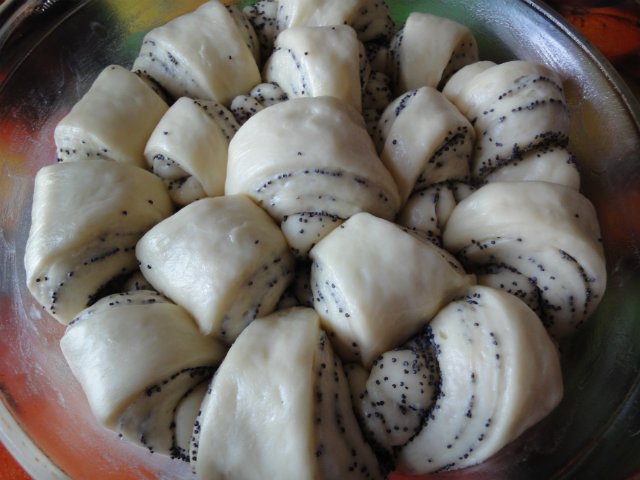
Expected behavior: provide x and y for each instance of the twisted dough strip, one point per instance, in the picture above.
(426, 144)
(188, 149)
(428, 50)
(85, 221)
(113, 120)
(544, 231)
(373, 285)
(222, 259)
(210, 53)
(310, 159)
(520, 115)
(138, 358)
(499, 375)
(423, 139)
(369, 18)
(281, 385)
(318, 61)
(482, 372)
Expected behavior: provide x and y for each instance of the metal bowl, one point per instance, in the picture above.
(50, 52)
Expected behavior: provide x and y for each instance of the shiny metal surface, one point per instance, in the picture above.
(46, 63)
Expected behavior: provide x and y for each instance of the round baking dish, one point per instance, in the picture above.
(50, 52)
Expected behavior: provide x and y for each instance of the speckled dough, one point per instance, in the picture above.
(544, 231)
(519, 112)
(281, 385)
(188, 149)
(428, 49)
(423, 139)
(319, 61)
(137, 356)
(85, 221)
(373, 285)
(210, 53)
(499, 375)
(310, 156)
(112, 121)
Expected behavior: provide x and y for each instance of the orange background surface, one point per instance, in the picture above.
(10, 469)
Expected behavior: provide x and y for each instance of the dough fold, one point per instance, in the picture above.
(319, 61)
(223, 259)
(310, 157)
(369, 18)
(279, 407)
(546, 232)
(519, 112)
(188, 149)
(375, 285)
(112, 121)
(423, 139)
(138, 358)
(428, 50)
(499, 374)
(86, 218)
(210, 54)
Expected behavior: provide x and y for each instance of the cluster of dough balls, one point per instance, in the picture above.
(295, 225)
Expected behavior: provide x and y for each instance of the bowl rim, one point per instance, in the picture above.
(22, 448)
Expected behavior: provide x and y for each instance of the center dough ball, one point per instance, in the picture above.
(222, 259)
(310, 157)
